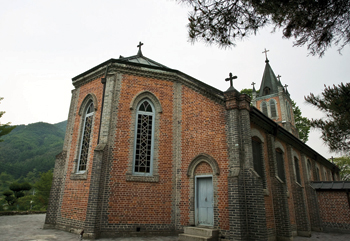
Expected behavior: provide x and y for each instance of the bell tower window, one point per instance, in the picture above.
(266, 91)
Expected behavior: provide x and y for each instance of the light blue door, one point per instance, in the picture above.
(205, 210)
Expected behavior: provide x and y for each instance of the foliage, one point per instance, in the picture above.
(31, 149)
(344, 165)
(5, 181)
(249, 92)
(5, 128)
(301, 123)
(43, 187)
(335, 103)
(24, 200)
(19, 189)
(10, 199)
(317, 24)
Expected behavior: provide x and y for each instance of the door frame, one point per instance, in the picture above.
(196, 197)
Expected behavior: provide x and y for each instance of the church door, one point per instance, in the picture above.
(204, 202)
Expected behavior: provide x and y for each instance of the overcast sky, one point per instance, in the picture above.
(44, 44)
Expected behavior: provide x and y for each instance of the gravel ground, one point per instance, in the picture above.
(30, 228)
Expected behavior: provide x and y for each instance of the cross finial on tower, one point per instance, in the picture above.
(279, 79)
(139, 46)
(253, 83)
(265, 52)
(230, 79)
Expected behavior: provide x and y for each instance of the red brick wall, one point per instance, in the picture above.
(203, 168)
(76, 192)
(278, 106)
(141, 202)
(203, 131)
(334, 207)
(270, 218)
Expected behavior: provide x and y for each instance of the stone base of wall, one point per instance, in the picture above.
(336, 227)
(111, 234)
(69, 229)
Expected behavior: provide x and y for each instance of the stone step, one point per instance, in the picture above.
(189, 237)
(203, 232)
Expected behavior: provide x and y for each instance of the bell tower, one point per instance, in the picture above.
(273, 99)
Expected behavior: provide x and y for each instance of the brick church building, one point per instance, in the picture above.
(151, 150)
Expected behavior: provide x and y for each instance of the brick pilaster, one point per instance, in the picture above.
(279, 194)
(245, 191)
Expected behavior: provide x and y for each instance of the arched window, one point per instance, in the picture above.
(318, 174)
(308, 169)
(264, 108)
(258, 159)
(85, 139)
(144, 135)
(273, 108)
(280, 165)
(297, 170)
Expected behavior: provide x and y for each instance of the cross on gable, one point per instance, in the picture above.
(253, 83)
(265, 52)
(285, 86)
(230, 79)
(139, 46)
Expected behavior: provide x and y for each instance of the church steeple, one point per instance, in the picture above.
(274, 100)
(269, 83)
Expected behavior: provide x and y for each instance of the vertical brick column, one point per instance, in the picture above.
(279, 196)
(312, 202)
(177, 172)
(60, 169)
(245, 191)
(300, 209)
(53, 205)
(91, 225)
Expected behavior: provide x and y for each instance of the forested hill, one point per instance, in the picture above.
(31, 148)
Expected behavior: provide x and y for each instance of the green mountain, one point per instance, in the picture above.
(31, 148)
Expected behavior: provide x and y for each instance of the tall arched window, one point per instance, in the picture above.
(317, 174)
(308, 169)
(144, 135)
(273, 108)
(264, 108)
(258, 160)
(280, 165)
(297, 170)
(85, 139)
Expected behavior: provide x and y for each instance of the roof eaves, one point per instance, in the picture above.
(273, 128)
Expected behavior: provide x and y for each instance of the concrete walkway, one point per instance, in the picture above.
(30, 228)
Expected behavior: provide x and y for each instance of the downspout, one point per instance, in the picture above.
(103, 81)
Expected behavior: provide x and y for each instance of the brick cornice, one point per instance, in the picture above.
(162, 74)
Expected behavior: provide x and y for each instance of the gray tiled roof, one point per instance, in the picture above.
(331, 185)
